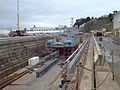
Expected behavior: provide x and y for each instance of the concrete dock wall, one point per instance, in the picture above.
(15, 52)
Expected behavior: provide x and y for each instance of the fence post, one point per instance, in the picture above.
(112, 66)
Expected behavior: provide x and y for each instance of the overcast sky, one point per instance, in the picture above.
(53, 12)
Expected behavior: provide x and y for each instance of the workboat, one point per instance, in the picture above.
(65, 42)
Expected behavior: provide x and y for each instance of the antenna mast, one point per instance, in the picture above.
(72, 21)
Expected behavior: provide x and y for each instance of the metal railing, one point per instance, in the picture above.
(72, 61)
(77, 53)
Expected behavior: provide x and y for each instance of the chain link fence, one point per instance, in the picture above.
(113, 59)
(115, 65)
(111, 53)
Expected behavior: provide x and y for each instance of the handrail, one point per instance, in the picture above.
(75, 54)
(68, 60)
(78, 53)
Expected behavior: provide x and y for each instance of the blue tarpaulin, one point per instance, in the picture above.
(67, 41)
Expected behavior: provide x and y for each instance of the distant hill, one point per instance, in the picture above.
(97, 23)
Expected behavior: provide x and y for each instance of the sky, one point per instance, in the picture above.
(51, 13)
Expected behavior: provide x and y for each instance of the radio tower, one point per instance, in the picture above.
(71, 22)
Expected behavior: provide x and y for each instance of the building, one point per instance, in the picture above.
(116, 27)
(71, 30)
(43, 30)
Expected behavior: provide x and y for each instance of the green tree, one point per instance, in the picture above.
(111, 16)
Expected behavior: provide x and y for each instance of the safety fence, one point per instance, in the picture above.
(114, 64)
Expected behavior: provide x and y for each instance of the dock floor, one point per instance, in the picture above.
(30, 82)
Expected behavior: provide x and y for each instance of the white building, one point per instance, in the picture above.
(116, 21)
(42, 30)
(6, 31)
(116, 26)
(72, 30)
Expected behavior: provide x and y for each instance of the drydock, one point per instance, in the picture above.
(84, 69)
(14, 52)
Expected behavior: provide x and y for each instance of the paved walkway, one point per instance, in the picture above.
(103, 82)
(104, 78)
(87, 78)
(110, 46)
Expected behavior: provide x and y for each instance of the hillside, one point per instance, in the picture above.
(92, 23)
(99, 23)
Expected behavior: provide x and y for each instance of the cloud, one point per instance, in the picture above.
(53, 12)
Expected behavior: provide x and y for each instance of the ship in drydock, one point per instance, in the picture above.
(65, 42)
(36, 53)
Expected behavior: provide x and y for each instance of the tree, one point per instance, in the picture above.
(81, 21)
(110, 16)
(88, 18)
(114, 12)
